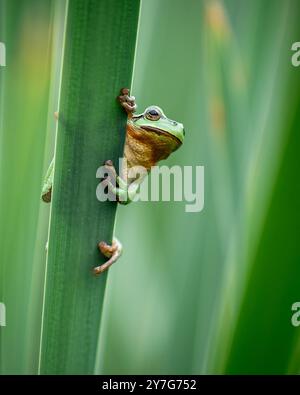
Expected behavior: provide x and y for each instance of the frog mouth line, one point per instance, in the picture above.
(161, 132)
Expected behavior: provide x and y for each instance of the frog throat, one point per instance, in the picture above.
(159, 131)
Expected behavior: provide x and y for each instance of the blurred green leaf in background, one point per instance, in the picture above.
(207, 292)
(30, 29)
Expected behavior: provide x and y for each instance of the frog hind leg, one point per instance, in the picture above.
(113, 252)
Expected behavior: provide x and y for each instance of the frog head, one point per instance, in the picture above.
(154, 122)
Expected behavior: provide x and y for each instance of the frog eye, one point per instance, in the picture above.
(153, 114)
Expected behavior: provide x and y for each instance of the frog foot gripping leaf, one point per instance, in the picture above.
(112, 252)
(150, 137)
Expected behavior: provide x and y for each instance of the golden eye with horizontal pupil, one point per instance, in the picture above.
(153, 114)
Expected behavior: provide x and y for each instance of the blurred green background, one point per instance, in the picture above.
(194, 293)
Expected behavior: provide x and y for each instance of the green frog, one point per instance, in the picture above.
(150, 137)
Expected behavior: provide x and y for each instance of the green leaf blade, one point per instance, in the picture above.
(99, 52)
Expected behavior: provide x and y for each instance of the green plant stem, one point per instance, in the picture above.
(98, 61)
